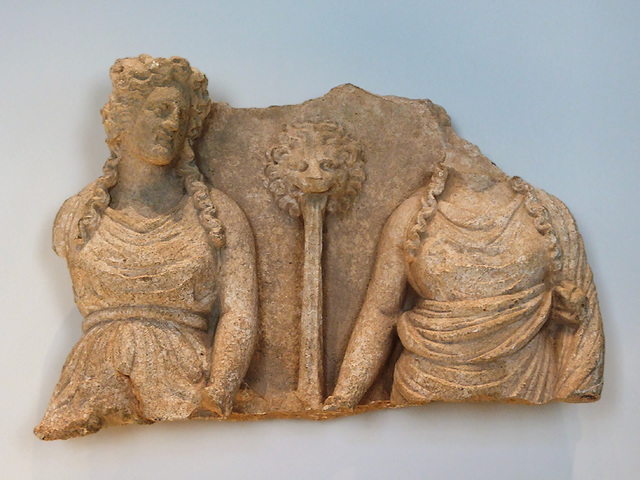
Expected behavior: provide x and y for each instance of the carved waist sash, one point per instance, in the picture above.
(146, 312)
(478, 347)
(472, 331)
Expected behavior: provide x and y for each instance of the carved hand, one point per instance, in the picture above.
(569, 303)
(337, 403)
(216, 401)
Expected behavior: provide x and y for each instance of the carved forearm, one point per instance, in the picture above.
(233, 348)
(368, 349)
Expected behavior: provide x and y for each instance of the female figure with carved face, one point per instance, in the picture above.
(160, 263)
(505, 307)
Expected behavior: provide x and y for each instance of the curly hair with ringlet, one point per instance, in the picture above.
(133, 80)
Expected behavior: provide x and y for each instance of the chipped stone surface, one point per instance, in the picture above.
(361, 256)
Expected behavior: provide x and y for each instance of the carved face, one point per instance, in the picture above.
(159, 128)
(315, 158)
(311, 168)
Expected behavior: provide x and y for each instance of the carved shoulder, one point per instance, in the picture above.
(64, 226)
(574, 261)
(557, 209)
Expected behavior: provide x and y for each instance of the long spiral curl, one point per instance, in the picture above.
(429, 206)
(133, 80)
(541, 220)
(199, 193)
(99, 200)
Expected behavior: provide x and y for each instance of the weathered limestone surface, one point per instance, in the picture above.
(402, 143)
(313, 260)
(401, 140)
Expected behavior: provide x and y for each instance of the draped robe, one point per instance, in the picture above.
(147, 288)
(493, 321)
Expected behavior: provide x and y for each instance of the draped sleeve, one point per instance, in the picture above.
(65, 227)
(580, 341)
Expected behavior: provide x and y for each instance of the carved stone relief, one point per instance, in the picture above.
(361, 256)
(317, 167)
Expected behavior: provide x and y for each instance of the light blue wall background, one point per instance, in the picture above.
(549, 90)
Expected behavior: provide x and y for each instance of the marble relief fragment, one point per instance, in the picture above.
(317, 285)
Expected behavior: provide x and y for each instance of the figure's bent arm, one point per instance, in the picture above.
(374, 331)
(580, 337)
(237, 330)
